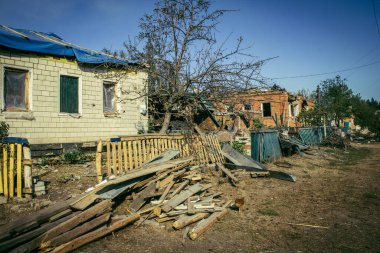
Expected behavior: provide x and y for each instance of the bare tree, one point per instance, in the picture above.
(185, 63)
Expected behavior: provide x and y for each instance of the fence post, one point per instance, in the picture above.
(27, 169)
(5, 169)
(19, 173)
(99, 161)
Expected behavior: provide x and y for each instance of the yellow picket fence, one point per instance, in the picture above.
(15, 170)
(131, 152)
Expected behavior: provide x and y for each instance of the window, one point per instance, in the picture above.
(267, 110)
(109, 97)
(16, 86)
(247, 107)
(69, 97)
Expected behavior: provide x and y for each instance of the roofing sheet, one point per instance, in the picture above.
(52, 44)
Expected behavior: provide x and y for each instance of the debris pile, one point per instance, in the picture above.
(157, 192)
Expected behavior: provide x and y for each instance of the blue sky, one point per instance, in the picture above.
(309, 37)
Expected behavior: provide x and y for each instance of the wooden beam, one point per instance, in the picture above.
(108, 157)
(100, 232)
(78, 231)
(140, 200)
(98, 209)
(5, 170)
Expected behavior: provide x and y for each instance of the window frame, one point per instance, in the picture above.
(245, 109)
(262, 109)
(116, 96)
(28, 89)
(79, 94)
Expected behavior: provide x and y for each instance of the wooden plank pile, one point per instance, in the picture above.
(158, 191)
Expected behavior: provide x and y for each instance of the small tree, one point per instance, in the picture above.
(336, 99)
(185, 63)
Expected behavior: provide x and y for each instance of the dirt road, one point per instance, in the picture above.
(335, 204)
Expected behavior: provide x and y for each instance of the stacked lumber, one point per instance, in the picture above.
(68, 225)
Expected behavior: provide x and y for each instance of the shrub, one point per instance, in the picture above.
(4, 129)
(238, 147)
(73, 156)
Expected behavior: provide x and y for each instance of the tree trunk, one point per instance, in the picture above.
(165, 124)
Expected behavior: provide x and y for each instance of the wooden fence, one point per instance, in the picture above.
(15, 170)
(127, 153)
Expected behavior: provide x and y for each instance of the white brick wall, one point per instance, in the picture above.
(49, 125)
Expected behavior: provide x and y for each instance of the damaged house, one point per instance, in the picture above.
(52, 91)
(240, 111)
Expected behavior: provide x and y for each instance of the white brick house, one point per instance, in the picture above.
(49, 98)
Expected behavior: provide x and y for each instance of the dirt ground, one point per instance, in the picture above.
(334, 206)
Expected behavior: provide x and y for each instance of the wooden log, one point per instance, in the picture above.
(114, 159)
(178, 199)
(108, 158)
(119, 158)
(96, 210)
(204, 225)
(98, 233)
(5, 170)
(78, 231)
(11, 170)
(31, 235)
(234, 180)
(187, 220)
(99, 161)
(19, 173)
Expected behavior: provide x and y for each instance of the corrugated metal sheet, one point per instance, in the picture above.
(265, 146)
(311, 135)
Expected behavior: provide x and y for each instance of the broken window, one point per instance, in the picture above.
(109, 97)
(15, 89)
(267, 110)
(247, 107)
(69, 97)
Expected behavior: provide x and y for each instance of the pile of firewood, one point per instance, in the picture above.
(170, 190)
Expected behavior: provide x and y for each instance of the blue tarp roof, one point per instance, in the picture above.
(50, 43)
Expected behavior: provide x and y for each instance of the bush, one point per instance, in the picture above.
(238, 147)
(257, 123)
(4, 129)
(73, 156)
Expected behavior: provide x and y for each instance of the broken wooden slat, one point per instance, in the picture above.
(233, 179)
(99, 161)
(180, 188)
(135, 155)
(119, 158)
(80, 230)
(98, 209)
(108, 157)
(27, 168)
(125, 156)
(11, 170)
(178, 199)
(19, 173)
(5, 170)
(166, 181)
(1, 179)
(90, 197)
(163, 196)
(130, 159)
(140, 200)
(187, 220)
(144, 151)
(139, 152)
(114, 158)
(98, 233)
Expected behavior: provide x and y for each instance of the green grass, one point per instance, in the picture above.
(351, 157)
(268, 212)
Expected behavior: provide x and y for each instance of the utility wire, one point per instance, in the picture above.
(374, 13)
(326, 73)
